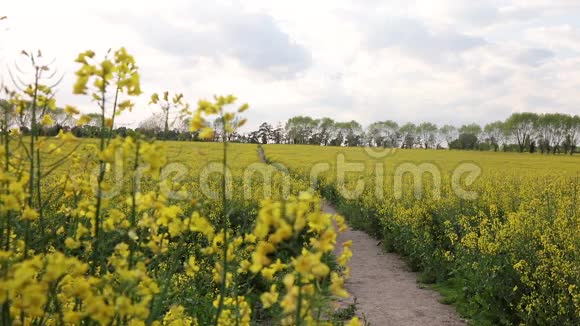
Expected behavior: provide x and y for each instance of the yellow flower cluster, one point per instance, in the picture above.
(511, 252)
(96, 232)
(279, 222)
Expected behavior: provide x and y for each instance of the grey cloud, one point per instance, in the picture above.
(175, 40)
(415, 38)
(535, 57)
(530, 11)
(467, 110)
(258, 42)
(254, 39)
(477, 13)
(474, 46)
(536, 102)
(336, 98)
(496, 77)
(521, 14)
(336, 94)
(493, 78)
(482, 16)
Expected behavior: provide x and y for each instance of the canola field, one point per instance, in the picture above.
(508, 255)
(134, 231)
(499, 232)
(153, 250)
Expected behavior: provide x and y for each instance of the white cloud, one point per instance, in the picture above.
(441, 61)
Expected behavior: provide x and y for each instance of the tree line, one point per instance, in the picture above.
(520, 132)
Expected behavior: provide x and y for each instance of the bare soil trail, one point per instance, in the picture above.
(386, 291)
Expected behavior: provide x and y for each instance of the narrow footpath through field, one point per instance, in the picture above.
(386, 291)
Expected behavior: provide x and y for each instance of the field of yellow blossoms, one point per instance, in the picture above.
(498, 232)
(128, 231)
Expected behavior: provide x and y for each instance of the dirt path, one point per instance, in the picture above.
(261, 154)
(387, 292)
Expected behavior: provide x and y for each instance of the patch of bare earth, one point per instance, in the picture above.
(386, 291)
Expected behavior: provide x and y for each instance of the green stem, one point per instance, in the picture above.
(101, 177)
(166, 127)
(39, 199)
(133, 216)
(6, 320)
(114, 114)
(5, 141)
(32, 165)
(32, 139)
(224, 222)
(298, 317)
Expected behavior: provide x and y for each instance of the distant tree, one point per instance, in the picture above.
(86, 131)
(375, 134)
(549, 133)
(7, 112)
(473, 129)
(231, 134)
(408, 135)
(168, 105)
(326, 130)
(465, 141)
(347, 134)
(496, 134)
(152, 125)
(559, 124)
(383, 134)
(338, 139)
(521, 127)
(182, 125)
(354, 134)
(532, 146)
(61, 118)
(449, 133)
(572, 134)
(551, 130)
(300, 129)
(265, 133)
(427, 134)
(278, 134)
(236, 137)
(254, 137)
(391, 131)
(318, 133)
(121, 131)
(93, 119)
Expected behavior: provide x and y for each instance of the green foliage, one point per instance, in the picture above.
(129, 231)
(508, 257)
(465, 141)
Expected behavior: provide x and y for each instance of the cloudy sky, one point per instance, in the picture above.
(440, 61)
